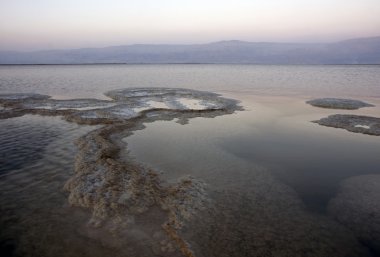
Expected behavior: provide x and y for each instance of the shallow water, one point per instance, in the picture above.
(275, 133)
(269, 171)
(37, 158)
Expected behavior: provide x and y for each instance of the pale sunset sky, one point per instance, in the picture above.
(50, 24)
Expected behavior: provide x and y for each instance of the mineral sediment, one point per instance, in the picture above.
(353, 123)
(338, 103)
(254, 223)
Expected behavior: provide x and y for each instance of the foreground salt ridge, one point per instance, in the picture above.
(116, 189)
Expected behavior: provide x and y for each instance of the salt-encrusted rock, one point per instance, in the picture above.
(357, 206)
(267, 218)
(354, 123)
(337, 103)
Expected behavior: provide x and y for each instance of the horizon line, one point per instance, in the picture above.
(185, 63)
(190, 44)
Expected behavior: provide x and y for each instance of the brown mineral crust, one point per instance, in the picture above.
(117, 189)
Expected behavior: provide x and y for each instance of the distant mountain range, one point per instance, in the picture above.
(353, 51)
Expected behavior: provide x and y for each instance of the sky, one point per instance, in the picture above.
(50, 24)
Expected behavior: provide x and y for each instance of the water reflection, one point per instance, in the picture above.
(274, 133)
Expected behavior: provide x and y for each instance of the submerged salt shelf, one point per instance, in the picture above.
(357, 207)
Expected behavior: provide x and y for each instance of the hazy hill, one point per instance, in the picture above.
(354, 51)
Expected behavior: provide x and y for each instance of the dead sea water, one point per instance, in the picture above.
(269, 173)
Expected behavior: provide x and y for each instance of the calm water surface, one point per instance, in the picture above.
(69, 81)
(272, 144)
